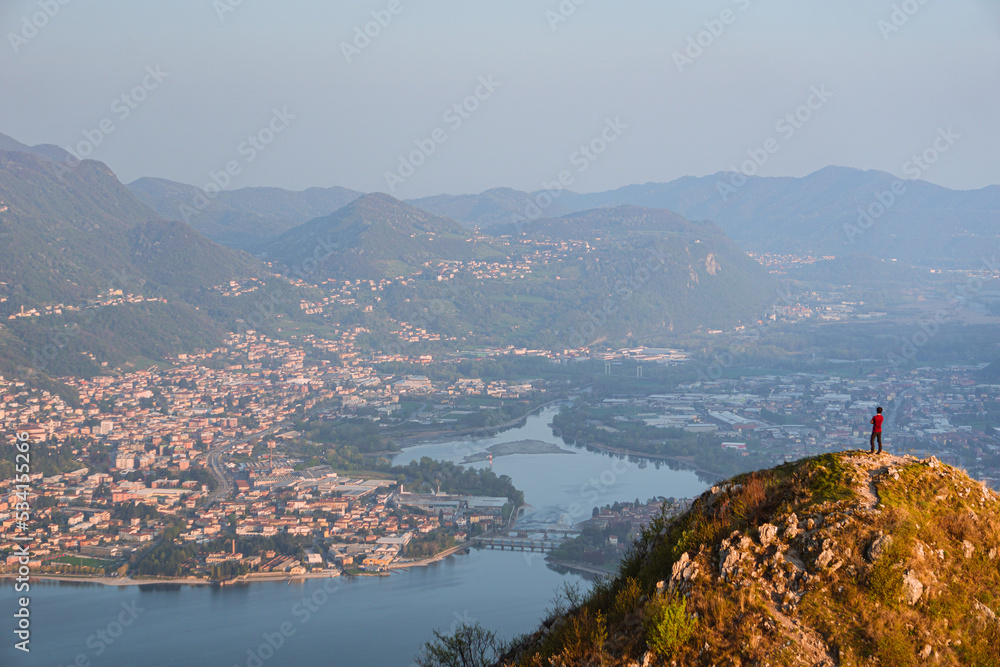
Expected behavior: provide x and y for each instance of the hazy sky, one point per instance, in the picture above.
(229, 64)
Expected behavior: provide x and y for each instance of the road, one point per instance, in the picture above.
(215, 464)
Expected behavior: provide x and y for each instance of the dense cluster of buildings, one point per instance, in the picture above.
(352, 524)
(144, 438)
(110, 299)
(929, 411)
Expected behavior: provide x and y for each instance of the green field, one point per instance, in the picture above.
(80, 560)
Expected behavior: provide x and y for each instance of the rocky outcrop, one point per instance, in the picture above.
(879, 546)
(912, 588)
(816, 576)
(684, 571)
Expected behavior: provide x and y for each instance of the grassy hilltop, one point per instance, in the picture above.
(841, 559)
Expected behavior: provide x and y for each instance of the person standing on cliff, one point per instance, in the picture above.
(876, 423)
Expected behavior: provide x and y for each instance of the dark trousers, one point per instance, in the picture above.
(876, 435)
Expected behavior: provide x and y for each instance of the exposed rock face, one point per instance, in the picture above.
(985, 612)
(791, 527)
(879, 546)
(684, 571)
(767, 533)
(912, 588)
(803, 588)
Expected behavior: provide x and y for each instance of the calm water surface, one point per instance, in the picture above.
(345, 621)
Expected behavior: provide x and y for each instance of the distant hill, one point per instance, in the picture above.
(607, 275)
(818, 214)
(841, 559)
(490, 209)
(925, 224)
(620, 221)
(375, 236)
(49, 151)
(246, 218)
(73, 233)
(663, 273)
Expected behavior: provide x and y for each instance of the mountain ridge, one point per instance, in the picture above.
(832, 211)
(637, 272)
(74, 238)
(49, 151)
(245, 218)
(841, 559)
(368, 239)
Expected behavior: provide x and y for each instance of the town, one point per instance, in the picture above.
(272, 457)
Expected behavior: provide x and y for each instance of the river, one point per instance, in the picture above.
(379, 621)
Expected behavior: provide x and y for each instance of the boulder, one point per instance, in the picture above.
(879, 546)
(791, 527)
(729, 561)
(912, 588)
(683, 572)
(824, 559)
(768, 533)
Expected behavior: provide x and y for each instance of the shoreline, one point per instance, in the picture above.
(430, 560)
(529, 447)
(180, 581)
(626, 452)
(114, 581)
(261, 577)
(435, 437)
(580, 567)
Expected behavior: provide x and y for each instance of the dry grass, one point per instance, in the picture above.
(857, 611)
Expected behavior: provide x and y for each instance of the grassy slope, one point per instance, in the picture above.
(816, 594)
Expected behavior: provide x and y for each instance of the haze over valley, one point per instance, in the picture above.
(457, 334)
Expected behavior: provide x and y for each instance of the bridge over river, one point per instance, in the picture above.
(517, 543)
(527, 539)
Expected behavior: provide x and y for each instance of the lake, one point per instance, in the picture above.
(379, 621)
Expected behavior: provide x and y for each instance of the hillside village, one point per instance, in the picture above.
(145, 439)
(211, 444)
